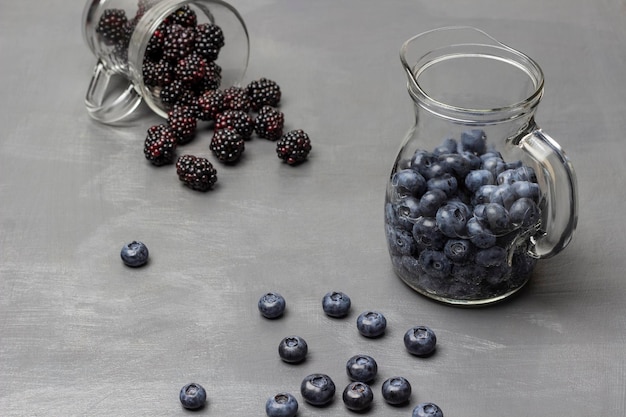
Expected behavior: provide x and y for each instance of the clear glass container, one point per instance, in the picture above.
(478, 192)
(118, 85)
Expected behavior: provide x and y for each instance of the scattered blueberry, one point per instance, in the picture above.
(427, 410)
(293, 349)
(282, 404)
(361, 368)
(134, 254)
(396, 390)
(358, 396)
(371, 323)
(336, 304)
(272, 305)
(420, 341)
(192, 396)
(317, 389)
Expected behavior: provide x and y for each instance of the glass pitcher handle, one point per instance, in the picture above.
(560, 214)
(102, 109)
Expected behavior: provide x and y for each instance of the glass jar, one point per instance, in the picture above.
(125, 35)
(478, 192)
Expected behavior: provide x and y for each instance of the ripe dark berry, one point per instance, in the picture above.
(210, 104)
(281, 405)
(154, 49)
(371, 323)
(176, 92)
(134, 254)
(317, 389)
(269, 123)
(178, 43)
(112, 26)
(209, 39)
(396, 390)
(184, 16)
(427, 410)
(294, 147)
(160, 145)
(336, 304)
(238, 120)
(212, 79)
(420, 341)
(293, 349)
(192, 396)
(263, 92)
(191, 69)
(182, 122)
(157, 74)
(271, 305)
(235, 98)
(358, 396)
(227, 145)
(362, 368)
(195, 172)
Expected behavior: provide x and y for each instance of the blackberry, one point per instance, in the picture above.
(238, 120)
(210, 104)
(160, 145)
(269, 123)
(195, 172)
(176, 92)
(236, 98)
(212, 78)
(209, 40)
(182, 121)
(191, 69)
(184, 16)
(178, 43)
(154, 49)
(263, 92)
(227, 145)
(157, 74)
(294, 147)
(112, 26)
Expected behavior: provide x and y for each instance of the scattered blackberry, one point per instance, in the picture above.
(184, 16)
(157, 74)
(178, 43)
(263, 92)
(160, 145)
(269, 123)
(112, 26)
(236, 98)
(176, 92)
(191, 69)
(209, 40)
(195, 172)
(182, 121)
(210, 104)
(294, 147)
(227, 145)
(238, 120)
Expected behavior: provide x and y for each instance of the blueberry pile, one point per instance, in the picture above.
(454, 216)
(181, 70)
(319, 389)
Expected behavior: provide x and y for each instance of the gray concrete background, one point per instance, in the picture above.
(82, 335)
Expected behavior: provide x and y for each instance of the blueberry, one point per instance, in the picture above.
(493, 256)
(391, 216)
(474, 141)
(456, 164)
(427, 410)
(134, 254)
(513, 164)
(492, 153)
(358, 396)
(474, 160)
(449, 145)
(483, 195)
(362, 368)
(503, 195)
(452, 217)
(408, 182)
(526, 173)
(192, 396)
(507, 176)
(400, 241)
(282, 404)
(408, 210)
(272, 305)
(497, 218)
(422, 161)
(431, 201)
(435, 263)
(458, 250)
(371, 324)
(427, 234)
(525, 212)
(477, 178)
(480, 235)
(396, 390)
(526, 189)
(293, 349)
(336, 304)
(420, 341)
(317, 389)
(445, 182)
(495, 165)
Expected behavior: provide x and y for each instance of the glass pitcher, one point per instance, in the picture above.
(125, 35)
(478, 192)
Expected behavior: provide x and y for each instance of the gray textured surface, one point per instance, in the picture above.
(81, 335)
